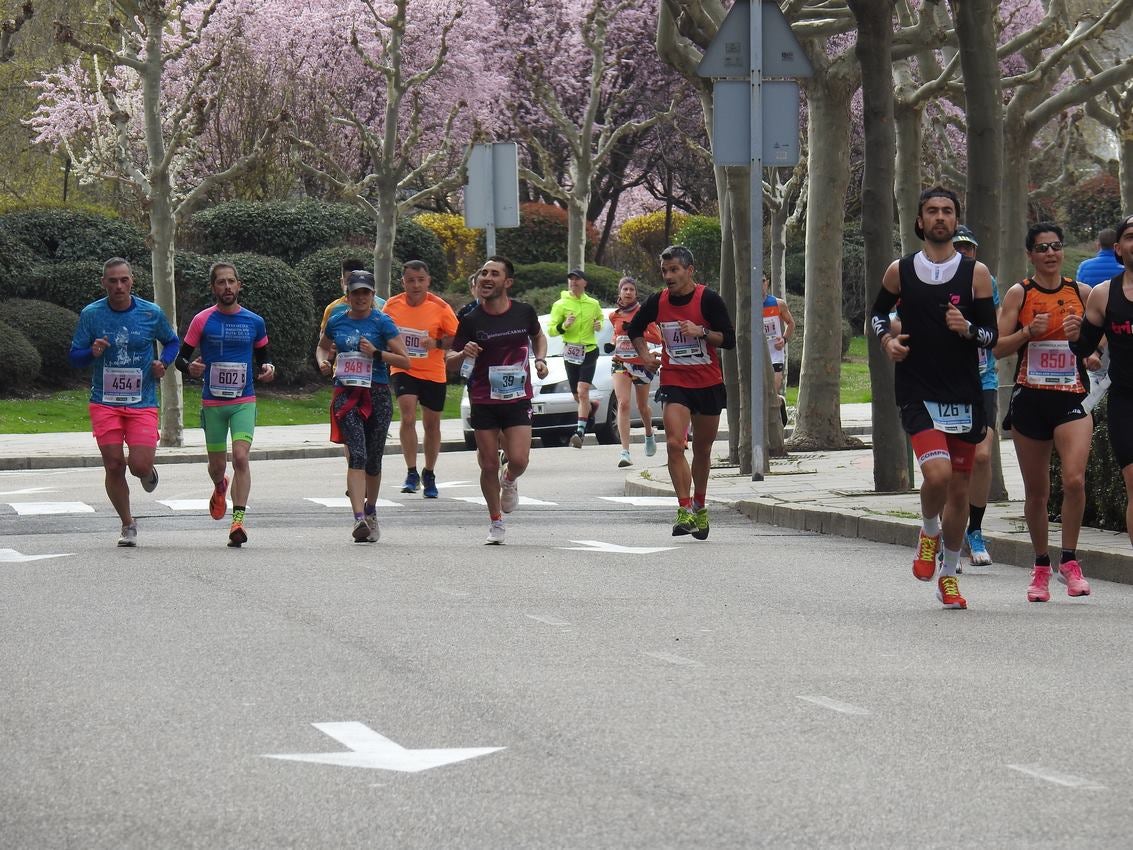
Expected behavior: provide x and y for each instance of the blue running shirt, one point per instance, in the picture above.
(123, 375)
(226, 342)
(347, 334)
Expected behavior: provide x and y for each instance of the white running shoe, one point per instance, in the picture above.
(375, 529)
(650, 445)
(496, 532)
(509, 493)
(623, 459)
(129, 536)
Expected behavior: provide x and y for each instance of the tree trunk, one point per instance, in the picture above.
(162, 235)
(385, 232)
(1125, 151)
(874, 49)
(907, 179)
(818, 422)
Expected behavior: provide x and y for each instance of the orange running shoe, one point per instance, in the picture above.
(948, 592)
(924, 563)
(217, 507)
(237, 536)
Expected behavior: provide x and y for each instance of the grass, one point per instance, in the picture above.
(66, 410)
(854, 386)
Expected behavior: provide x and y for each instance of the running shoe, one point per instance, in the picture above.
(509, 493)
(977, 551)
(576, 440)
(685, 523)
(1070, 574)
(1038, 591)
(948, 592)
(928, 550)
(129, 536)
(375, 529)
(650, 445)
(149, 484)
(411, 481)
(429, 485)
(361, 532)
(701, 519)
(783, 410)
(237, 536)
(496, 532)
(623, 460)
(217, 507)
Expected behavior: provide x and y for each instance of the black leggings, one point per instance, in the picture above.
(365, 439)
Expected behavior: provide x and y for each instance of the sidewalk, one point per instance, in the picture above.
(825, 492)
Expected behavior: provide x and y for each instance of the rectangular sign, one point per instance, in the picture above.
(491, 197)
(731, 123)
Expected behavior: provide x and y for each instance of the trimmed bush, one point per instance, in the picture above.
(1105, 488)
(416, 242)
(284, 229)
(322, 272)
(64, 234)
(49, 328)
(22, 362)
(701, 235)
(76, 283)
(16, 261)
(642, 239)
(275, 291)
(541, 298)
(601, 282)
(462, 245)
(1093, 205)
(541, 235)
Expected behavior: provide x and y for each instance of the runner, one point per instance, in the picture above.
(628, 371)
(427, 324)
(694, 324)
(1046, 404)
(340, 304)
(117, 334)
(778, 327)
(233, 342)
(577, 318)
(1109, 312)
(499, 338)
(946, 312)
(366, 340)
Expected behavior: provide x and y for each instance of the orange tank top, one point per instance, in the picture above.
(1046, 362)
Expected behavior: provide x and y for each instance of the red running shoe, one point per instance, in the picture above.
(948, 592)
(924, 563)
(217, 507)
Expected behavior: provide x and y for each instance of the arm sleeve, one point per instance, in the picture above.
(716, 312)
(169, 350)
(882, 306)
(986, 326)
(182, 359)
(80, 358)
(1088, 338)
(645, 317)
(262, 355)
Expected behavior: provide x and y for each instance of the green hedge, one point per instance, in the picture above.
(76, 283)
(1092, 205)
(275, 291)
(541, 235)
(16, 261)
(22, 362)
(417, 242)
(284, 229)
(49, 328)
(322, 271)
(701, 235)
(63, 234)
(601, 282)
(1105, 488)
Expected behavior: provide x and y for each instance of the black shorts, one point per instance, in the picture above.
(915, 418)
(701, 401)
(582, 372)
(493, 417)
(776, 367)
(991, 407)
(431, 394)
(1119, 413)
(1035, 413)
(636, 372)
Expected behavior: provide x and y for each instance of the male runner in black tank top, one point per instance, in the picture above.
(947, 312)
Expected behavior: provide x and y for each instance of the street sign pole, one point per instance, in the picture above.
(491, 197)
(758, 344)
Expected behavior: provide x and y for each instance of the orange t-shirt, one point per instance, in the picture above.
(421, 328)
(1046, 362)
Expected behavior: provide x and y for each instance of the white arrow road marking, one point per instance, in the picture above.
(640, 501)
(599, 546)
(441, 485)
(11, 556)
(344, 502)
(29, 491)
(834, 705)
(550, 621)
(377, 752)
(679, 660)
(42, 508)
(1064, 779)
(523, 500)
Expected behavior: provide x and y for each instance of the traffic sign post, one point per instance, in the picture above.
(745, 48)
(491, 196)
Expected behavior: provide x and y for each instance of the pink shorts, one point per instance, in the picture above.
(136, 426)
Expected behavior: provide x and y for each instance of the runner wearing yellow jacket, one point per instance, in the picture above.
(577, 318)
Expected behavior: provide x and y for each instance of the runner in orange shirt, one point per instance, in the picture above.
(629, 371)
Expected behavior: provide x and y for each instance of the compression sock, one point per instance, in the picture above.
(685, 502)
(975, 517)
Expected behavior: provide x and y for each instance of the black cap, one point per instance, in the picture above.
(360, 280)
(964, 234)
(577, 273)
(1126, 224)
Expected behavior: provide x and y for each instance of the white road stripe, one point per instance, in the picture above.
(550, 621)
(43, 508)
(200, 505)
(344, 502)
(1064, 779)
(12, 556)
(641, 501)
(448, 591)
(834, 705)
(679, 660)
(29, 491)
(523, 500)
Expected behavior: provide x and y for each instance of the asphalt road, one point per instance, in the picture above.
(764, 688)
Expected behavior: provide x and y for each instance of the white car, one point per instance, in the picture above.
(555, 412)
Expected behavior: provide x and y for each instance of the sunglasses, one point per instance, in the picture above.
(1043, 247)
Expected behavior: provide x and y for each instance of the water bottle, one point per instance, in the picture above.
(466, 367)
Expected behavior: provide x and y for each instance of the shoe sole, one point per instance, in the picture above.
(237, 538)
(576, 442)
(147, 486)
(700, 535)
(427, 495)
(1033, 598)
(361, 535)
(128, 544)
(954, 606)
(681, 532)
(493, 543)
(622, 464)
(408, 489)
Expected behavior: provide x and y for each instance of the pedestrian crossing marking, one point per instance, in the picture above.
(523, 500)
(45, 508)
(640, 501)
(201, 505)
(344, 502)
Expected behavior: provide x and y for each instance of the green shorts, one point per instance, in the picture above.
(219, 419)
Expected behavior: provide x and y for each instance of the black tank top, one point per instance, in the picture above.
(1119, 331)
(941, 366)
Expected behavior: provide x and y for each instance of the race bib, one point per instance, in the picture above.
(771, 326)
(574, 353)
(354, 369)
(507, 383)
(416, 341)
(121, 385)
(1051, 363)
(227, 380)
(950, 418)
(623, 348)
(683, 350)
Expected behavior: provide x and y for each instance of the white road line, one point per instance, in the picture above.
(1064, 779)
(523, 500)
(200, 505)
(43, 508)
(834, 705)
(344, 502)
(29, 491)
(550, 621)
(12, 556)
(679, 660)
(448, 591)
(640, 501)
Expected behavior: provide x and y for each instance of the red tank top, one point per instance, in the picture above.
(686, 362)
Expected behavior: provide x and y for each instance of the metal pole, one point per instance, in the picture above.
(490, 239)
(758, 343)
